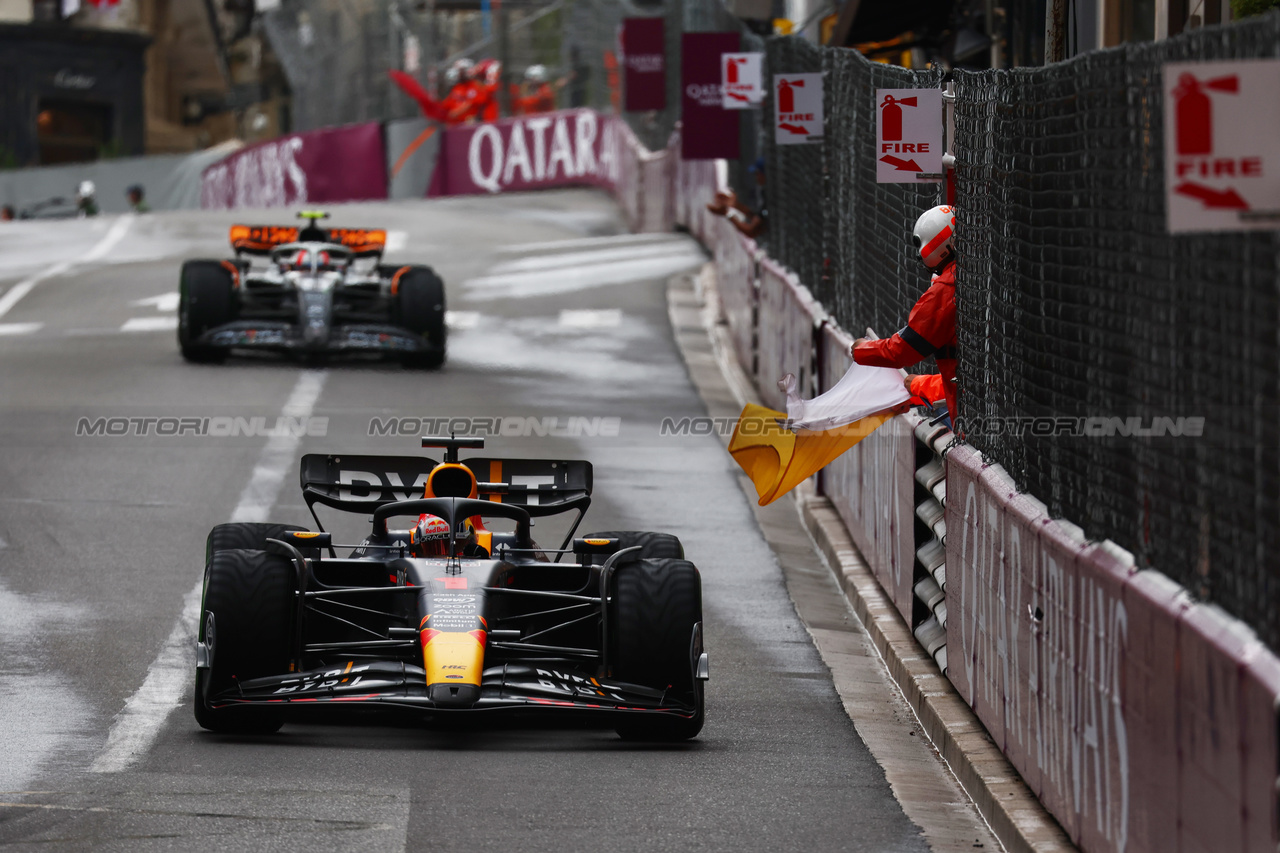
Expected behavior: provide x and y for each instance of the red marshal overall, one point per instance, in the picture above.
(930, 331)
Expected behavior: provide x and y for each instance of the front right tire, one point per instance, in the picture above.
(206, 300)
(246, 622)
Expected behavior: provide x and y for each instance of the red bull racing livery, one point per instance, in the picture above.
(457, 612)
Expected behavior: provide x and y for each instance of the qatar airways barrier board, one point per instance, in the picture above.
(710, 132)
(567, 148)
(335, 164)
(644, 60)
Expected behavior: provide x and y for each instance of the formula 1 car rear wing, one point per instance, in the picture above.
(261, 239)
(354, 483)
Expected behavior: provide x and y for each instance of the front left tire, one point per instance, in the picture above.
(655, 606)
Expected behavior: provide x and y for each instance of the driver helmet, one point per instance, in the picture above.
(323, 261)
(933, 235)
(430, 537)
(536, 74)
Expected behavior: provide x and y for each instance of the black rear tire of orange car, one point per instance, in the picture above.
(206, 300)
(420, 308)
(250, 595)
(653, 546)
(655, 605)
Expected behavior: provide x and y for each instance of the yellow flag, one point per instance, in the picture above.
(778, 459)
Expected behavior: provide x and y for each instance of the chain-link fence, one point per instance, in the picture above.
(1075, 301)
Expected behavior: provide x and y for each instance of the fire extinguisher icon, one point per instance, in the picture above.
(1193, 112)
(891, 118)
(786, 97)
(731, 71)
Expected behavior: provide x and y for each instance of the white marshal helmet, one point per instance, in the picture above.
(933, 235)
(536, 73)
(460, 70)
(86, 189)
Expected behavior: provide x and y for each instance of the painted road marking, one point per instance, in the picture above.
(114, 235)
(19, 328)
(136, 726)
(604, 318)
(580, 265)
(462, 319)
(163, 302)
(150, 324)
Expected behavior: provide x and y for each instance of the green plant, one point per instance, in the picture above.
(110, 150)
(1247, 8)
(8, 160)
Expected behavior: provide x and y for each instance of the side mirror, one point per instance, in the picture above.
(584, 548)
(306, 539)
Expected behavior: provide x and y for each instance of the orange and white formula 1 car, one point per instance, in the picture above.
(438, 611)
(310, 291)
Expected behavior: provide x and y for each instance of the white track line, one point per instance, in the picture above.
(162, 323)
(136, 727)
(114, 235)
(163, 302)
(588, 318)
(19, 328)
(462, 319)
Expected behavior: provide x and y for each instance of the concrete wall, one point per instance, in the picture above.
(171, 181)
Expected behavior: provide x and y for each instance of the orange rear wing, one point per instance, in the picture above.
(261, 238)
(362, 241)
(264, 238)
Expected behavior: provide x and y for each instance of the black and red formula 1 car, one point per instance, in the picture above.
(439, 611)
(313, 291)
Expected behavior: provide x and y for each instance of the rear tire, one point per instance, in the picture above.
(655, 606)
(419, 308)
(206, 300)
(250, 595)
(652, 545)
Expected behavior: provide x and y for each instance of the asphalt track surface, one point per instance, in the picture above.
(101, 546)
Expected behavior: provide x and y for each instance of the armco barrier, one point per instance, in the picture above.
(331, 165)
(871, 486)
(1036, 641)
(413, 144)
(737, 280)
(788, 318)
(1142, 721)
